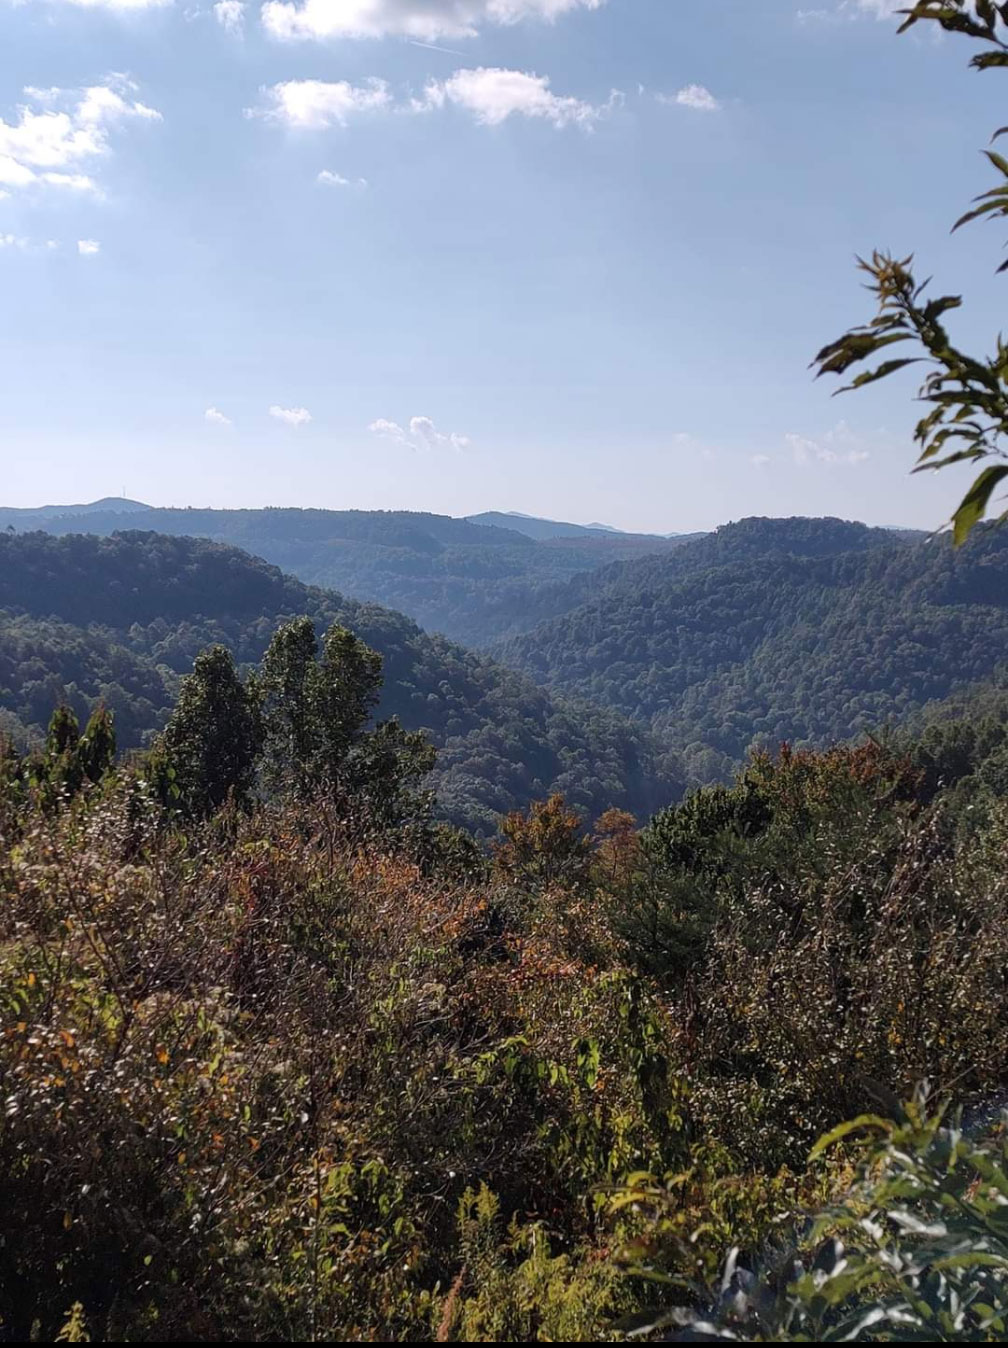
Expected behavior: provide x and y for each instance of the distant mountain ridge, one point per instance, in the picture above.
(471, 581)
(770, 630)
(120, 619)
(542, 529)
(13, 516)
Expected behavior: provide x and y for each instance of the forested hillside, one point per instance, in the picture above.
(802, 630)
(277, 1071)
(470, 581)
(122, 618)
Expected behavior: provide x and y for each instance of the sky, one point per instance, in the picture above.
(567, 257)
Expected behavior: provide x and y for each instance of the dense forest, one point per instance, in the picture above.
(641, 976)
(121, 619)
(808, 631)
(285, 1053)
(306, 1065)
(470, 581)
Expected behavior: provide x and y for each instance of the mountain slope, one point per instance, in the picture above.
(535, 527)
(808, 631)
(123, 617)
(471, 581)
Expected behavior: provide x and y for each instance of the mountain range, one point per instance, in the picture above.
(617, 669)
(473, 580)
(120, 619)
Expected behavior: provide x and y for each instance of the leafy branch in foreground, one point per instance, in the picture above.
(918, 1249)
(967, 396)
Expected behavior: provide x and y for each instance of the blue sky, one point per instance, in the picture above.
(570, 257)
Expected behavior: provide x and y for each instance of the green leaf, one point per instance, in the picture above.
(974, 504)
(853, 1125)
(886, 368)
(988, 59)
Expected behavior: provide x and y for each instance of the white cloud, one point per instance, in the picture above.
(390, 430)
(852, 9)
(420, 19)
(58, 130)
(317, 103)
(421, 434)
(16, 241)
(88, 247)
(692, 96)
(217, 418)
(760, 460)
(230, 14)
(492, 95)
(291, 416)
(102, 103)
(13, 174)
(838, 446)
(76, 182)
(331, 179)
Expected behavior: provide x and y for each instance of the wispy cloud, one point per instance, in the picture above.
(852, 9)
(423, 20)
(420, 434)
(55, 131)
(230, 14)
(492, 94)
(291, 416)
(88, 247)
(315, 104)
(840, 446)
(489, 94)
(330, 179)
(693, 96)
(216, 417)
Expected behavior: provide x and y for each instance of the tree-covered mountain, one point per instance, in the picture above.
(471, 581)
(802, 630)
(122, 618)
(534, 526)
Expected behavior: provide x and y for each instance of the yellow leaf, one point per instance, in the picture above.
(67, 1221)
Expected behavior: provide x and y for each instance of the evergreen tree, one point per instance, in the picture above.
(96, 748)
(314, 710)
(209, 748)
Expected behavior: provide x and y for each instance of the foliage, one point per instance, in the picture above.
(471, 581)
(544, 847)
(209, 748)
(121, 620)
(916, 1249)
(967, 396)
(249, 1071)
(270, 1075)
(804, 631)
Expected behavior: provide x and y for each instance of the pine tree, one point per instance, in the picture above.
(208, 751)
